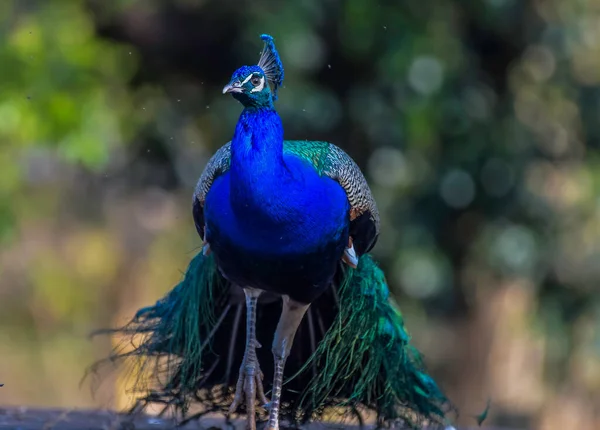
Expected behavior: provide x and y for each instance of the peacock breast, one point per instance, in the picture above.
(290, 232)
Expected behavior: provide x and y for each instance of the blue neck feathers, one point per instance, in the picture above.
(258, 137)
(257, 165)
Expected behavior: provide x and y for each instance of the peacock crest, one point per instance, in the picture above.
(271, 64)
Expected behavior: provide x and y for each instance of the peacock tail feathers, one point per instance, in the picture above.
(176, 334)
(362, 358)
(365, 358)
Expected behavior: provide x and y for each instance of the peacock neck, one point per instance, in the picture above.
(258, 139)
(257, 165)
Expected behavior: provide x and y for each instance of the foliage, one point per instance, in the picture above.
(476, 123)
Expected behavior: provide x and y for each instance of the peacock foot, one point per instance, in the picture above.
(249, 386)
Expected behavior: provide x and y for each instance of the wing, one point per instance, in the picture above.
(217, 165)
(331, 161)
(328, 160)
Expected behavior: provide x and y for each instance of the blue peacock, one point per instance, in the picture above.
(286, 229)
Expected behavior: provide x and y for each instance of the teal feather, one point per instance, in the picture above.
(177, 333)
(480, 418)
(364, 359)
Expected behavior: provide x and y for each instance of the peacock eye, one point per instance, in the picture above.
(255, 80)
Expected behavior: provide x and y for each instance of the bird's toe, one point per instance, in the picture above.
(249, 389)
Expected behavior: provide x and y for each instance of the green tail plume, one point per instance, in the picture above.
(176, 335)
(365, 358)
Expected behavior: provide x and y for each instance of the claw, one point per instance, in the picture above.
(248, 388)
(261, 391)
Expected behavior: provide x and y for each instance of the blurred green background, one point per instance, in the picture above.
(477, 124)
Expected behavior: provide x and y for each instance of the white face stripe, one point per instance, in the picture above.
(260, 86)
(247, 79)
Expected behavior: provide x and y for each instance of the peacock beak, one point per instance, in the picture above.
(233, 87)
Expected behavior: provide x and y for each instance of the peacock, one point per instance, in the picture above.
(286, 229)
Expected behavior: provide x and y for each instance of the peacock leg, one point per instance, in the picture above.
(249, 383)
(291, 316)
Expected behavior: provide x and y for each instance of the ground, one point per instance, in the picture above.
(63, 419)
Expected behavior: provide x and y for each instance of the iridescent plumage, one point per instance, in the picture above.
(328, 160)
(290, 220)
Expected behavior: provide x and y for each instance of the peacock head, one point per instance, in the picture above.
(249, 84)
